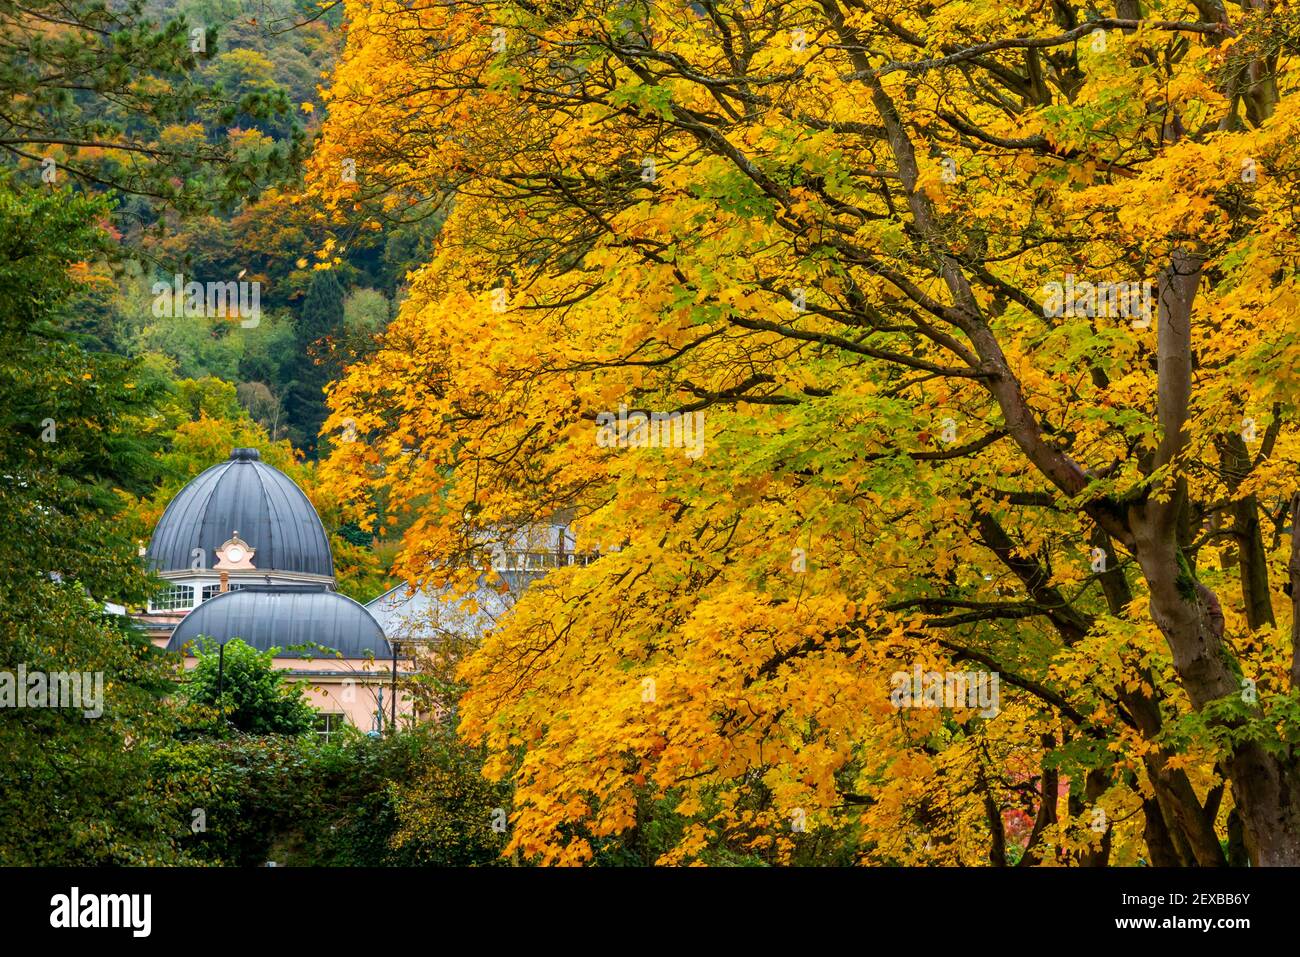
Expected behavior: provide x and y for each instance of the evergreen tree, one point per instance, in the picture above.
(320, 321)
(73, 432)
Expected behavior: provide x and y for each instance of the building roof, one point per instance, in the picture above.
(519, 557)
(259, 502)
(286, 617)
(422, 614)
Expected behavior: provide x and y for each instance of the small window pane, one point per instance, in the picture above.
(328, 724)
(212, 591)
(173, 597)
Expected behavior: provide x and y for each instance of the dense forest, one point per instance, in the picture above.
(250, 99)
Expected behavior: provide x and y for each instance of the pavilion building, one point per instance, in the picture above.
(244, 555)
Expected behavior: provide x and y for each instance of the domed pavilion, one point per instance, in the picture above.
(244, 555)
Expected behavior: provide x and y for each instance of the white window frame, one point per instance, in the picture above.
(332, 722)
(216, 590)
(169, 599)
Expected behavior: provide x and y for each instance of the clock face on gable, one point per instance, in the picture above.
(236, 553)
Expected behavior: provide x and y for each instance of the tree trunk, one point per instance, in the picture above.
(1252, 558)
(1188, 613)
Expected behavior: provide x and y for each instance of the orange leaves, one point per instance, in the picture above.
(640, 243)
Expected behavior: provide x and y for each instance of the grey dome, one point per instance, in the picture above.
(285, 616)
(259, 502)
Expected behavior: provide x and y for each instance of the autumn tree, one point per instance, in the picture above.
(989, 314)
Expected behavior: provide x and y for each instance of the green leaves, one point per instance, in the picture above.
(72, 437)
(92, 103)
(646, 98)
(246, 692)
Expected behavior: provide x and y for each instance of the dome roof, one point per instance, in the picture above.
(284, 616)
(259, 502)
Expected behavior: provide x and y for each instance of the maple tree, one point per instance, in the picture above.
(989, 310)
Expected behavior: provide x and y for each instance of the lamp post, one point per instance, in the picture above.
(393, 723)
(221, 686)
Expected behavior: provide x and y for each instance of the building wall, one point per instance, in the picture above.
(350, 687)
